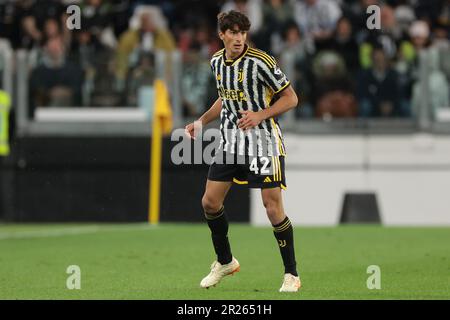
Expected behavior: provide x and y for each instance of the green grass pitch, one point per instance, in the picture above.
(137, 261)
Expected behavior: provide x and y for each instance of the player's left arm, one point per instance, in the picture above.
(287, 100)
(275, 80)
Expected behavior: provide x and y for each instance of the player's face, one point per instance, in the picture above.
(234, 41)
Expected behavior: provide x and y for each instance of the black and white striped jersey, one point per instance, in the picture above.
(248, 82)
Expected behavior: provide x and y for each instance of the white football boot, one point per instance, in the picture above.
(219, 271)
(291, 283)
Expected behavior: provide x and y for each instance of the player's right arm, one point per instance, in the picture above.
(210, 115)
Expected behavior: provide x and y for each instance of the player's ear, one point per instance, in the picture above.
(221, 35)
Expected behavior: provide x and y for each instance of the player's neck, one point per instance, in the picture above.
(230, 56)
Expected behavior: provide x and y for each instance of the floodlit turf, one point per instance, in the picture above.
(136, 261)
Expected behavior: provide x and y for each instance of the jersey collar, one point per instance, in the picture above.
(230, 62)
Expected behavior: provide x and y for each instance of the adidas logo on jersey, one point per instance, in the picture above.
(267, 179)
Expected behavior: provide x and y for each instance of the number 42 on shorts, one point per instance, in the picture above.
(264, 167)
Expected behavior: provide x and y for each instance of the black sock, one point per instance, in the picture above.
(285, 237)
(218, 224)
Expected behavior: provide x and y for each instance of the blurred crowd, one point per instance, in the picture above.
(338, 66)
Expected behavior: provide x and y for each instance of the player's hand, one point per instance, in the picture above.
(192, 129)
(250, 119)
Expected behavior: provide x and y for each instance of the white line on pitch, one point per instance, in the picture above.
(45, 233)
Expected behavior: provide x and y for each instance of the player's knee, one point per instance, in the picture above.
(210, 205)
(272, 208)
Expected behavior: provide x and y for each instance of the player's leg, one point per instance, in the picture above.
(212, 203)
(284, 234)
(282, 227)
(215, 215)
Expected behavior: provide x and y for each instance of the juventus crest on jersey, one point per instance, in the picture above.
(248, 82)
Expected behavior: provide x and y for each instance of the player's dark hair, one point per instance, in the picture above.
(227, 20)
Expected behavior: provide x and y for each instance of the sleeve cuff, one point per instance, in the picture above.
(283, 87)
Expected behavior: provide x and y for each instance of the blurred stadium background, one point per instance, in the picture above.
(369, 142)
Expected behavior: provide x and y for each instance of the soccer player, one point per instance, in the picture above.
(253, 91)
